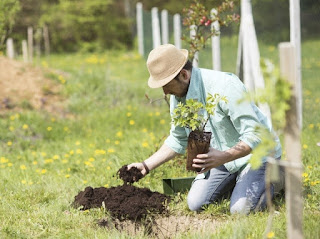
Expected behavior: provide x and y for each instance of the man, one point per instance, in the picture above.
(225, 167)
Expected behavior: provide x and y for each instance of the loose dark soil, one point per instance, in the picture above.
(126, 201)
(129, 176)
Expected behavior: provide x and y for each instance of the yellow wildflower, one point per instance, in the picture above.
(79, 151)
(11, 128)
(111, 150)
(9, 143)
(270, 235)
(23, 181)
(23, 167)
(129, 114)
(25, 126)
(116, 142)
(157, 113)
(305, 146)
(131, 122)
(67, 175)
(162, 121)
(49, 128)
(43, 171)
(119, 134)
(145, 144)
(56, 157)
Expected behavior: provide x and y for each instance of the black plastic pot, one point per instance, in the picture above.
(198, 143)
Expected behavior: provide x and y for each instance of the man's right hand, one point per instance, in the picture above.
(138, 166)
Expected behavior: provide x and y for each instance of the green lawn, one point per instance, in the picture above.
(46, 159)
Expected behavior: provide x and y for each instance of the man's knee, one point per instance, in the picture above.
(242, 206)
(194, 203)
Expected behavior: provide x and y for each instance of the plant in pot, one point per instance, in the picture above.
(195, 116)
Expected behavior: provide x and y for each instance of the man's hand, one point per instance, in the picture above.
(138, 166)
(214, 158)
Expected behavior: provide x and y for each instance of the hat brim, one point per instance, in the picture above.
(160, 83)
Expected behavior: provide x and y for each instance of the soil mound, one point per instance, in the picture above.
(126, 201)
(123, 202)
(23, 86)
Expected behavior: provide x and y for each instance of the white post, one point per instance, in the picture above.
(252, 75)
(294, 201)
(140, 28)
(155, 27)
(25, 51)
(177, 30)
(215, 43)
(10, 48)
(295, 39)
(38, 36)
(193, 30)
(46, 40)
(30, 43)
(164, 26)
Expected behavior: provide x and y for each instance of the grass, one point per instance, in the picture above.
(46, 159)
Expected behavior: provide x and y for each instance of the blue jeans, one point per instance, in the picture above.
(247, 189)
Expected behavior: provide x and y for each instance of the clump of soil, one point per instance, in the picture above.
(129, 176)
(126, 201)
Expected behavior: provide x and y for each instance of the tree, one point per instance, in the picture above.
(8, 12)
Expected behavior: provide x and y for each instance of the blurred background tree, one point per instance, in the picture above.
(92, 25)
(8, 11)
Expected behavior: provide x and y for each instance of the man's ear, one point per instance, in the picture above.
(185, 74)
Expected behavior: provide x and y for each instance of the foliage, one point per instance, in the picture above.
(8, 13)
(74, 24)
(192, 114)
(199, 19)
(276, 94)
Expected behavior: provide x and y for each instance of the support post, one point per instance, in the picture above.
(294, 201)
(295, 39)
(46, 40)
(30, 44)
(215, 42)
(155, 27)
(25, 51)
(10, 48)
(164, 27)
(177, 30)
(140, 28)
(193, 30)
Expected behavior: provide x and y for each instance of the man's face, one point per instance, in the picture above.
(178, 86)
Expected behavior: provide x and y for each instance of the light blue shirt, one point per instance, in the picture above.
(232, 121)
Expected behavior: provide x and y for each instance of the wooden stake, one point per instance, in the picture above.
(294, 201)
(30, 43)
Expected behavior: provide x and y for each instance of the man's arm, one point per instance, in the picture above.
(164, 154)
(214, 158)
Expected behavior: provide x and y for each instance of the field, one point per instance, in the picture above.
(94, 118)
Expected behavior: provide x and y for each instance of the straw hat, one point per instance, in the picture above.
(164, 63)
